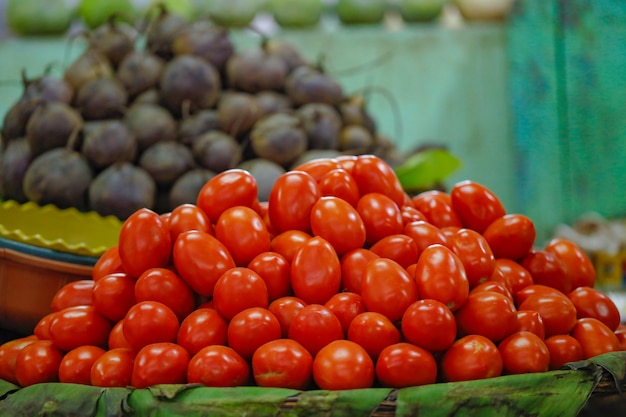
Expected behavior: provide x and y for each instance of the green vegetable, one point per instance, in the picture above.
(426, 169)
(37, 18)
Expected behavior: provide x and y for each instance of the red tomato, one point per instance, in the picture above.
(346, 306)
(285, 309)
(487, 314)
(476, 205)
(235, 187)
(475, 254)
(493, 286)
(275, 271)
(316, 271)
(339, 223)
(511, 236)
(282, 363)
(315, 327)
(533, 289)
(113, 295)
(590, 302)
(563, 349)
(188, 217)
(511, 274)
(346, 162)
(290, 202)
(381, 216)
(411, 214)
(339, 183)
(318, 167)
(341, 365)
(353, 264)
(530, 321)
(200, 259)
(77, 326)
(373, 332)
(557, 312)
(579, 267)
(429, 324)
(42, 328)
(144, 242)
(437, 208)
(108, 263)
(425, 234)
(114, 368)
(72, 294)
(594, 337)
(201, 328)
(524, 352)
(621, 335)
(440, 275)
(547, 269)
(75, 367)
(238, 289)
(8, 356)
(404, 365)
(218, 366)
(243, 232)
(470, 358)
(160, 363)
(117, 338)
(289, 242)
(38, 362)
(164, 286)
(149, 322)
(399, 248)
(250, 329)
(374, 175)
(387, 288)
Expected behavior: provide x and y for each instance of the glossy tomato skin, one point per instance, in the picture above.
(429, 324)
(218, 366)
(557, 312)
(511, 274)
(243, 232)
(563, 349)
(117, 338)
(535, 289)
(318, 168)
(230, 188)
(343, 364)
(405, 365)
(252, 328)
(470, 358)
(590, 302)
(374, 175)
(440, 275)
(547, 269)
(8, 356)
(399, 248)
(346, 306)
(113, 295)
(339, 183)
(203, 327)
(289, 242)
(524, 352)
(290, 202)
(188, 217)
(200, 259)
(339, 223)
(42, 328)
(493, 286)
(411, 214)
(38, 362)
(381, 216)
(108, 263)
(72, 294)
(594, 337)
(149, 322)
(78, 326)
(315, 327)
(160, 363)
(275, 271)
(282, 363)
(487, 314)
(436, 206)
(373, 332)
(114, 368)
(620, 332)
(353, 264)
(425, 234)
(475, 254)
(165, 286)
(387, 288)
(531, 321)
(579, 267)
(316, 271)
(285, 309)
(144, 242)
(511, 236)
(75, 367)
(238, 289)
(476, 205)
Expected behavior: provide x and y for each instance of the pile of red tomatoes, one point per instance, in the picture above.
(339, 281)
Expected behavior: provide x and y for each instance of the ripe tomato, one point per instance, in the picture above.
(117, 338)
(77, 326)
(353, 264)
(282, 363)
(289, 242)
(238, 289)
(108, 263)
(373, 332)
(8, 356)
(144, 242)
(381, 216)
(339, 183)
(250, 329)
(470, 358)
(374, 175)
(411, 214)
(188, 217)
(164, 286)
(343, 364)
(160, 363)
(315, 327)
(275, 271)
(114, 368)
(200, 259)
(557, 312)
(346, 306)
(590, 302)
(425, 234)
(201, 328)
(436, 206)
(579, 267)
(511, 236)
(547, 269)
(290, 202)
(318, 167)
(475, 254)
(440, 275)
(530, 321)
(493, 286)
(563, 349)
(594, 337)
(218, 366)
(524, 352)
(387, 288)
(316, 271)
(346, 162)
(429, 324)
(149, 322)
(533, 289)
(38, 362)
(235, 187)
(42, 328)
(113, 295)
(72, 294)
(285, 309)
(399, 248)
(405, 365)
(511, 274)
(487, 314)
(476, 205)
(621, 335)
(75, 367)
(243, 232)
(339, 223)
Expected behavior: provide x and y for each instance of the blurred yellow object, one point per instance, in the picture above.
(63, 230)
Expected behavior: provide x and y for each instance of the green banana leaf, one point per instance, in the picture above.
(426, 169)
(559, 393)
